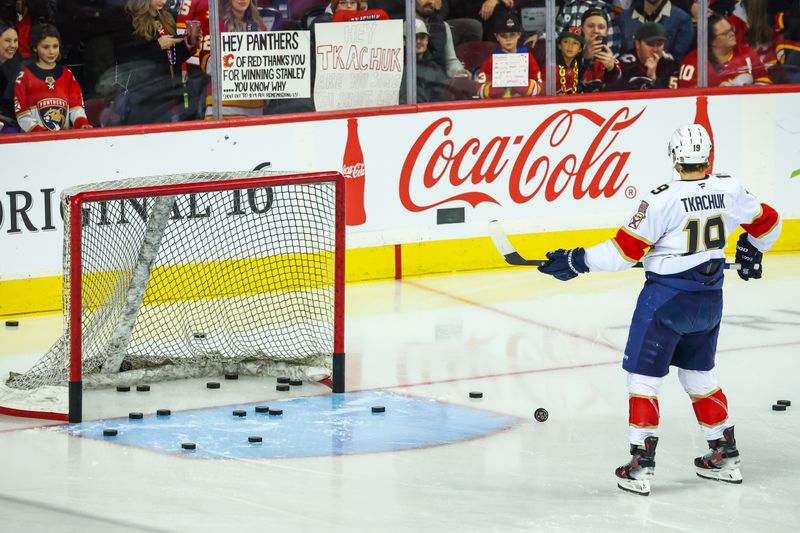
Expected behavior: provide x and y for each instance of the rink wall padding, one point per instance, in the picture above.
(557, 172)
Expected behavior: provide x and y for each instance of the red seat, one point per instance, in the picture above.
(473, 54)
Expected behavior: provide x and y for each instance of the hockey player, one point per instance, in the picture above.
(685, 224)
(46, 95)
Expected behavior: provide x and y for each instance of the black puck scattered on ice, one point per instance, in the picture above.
(143, 388)
(378, 409)
(231, 375)
(778, 407)
(12, 323)
(541, 414)
(212, 385)
(188, 446)
(276, 412)
(283, 379)
(135, 416)
(476, 395)
(282, 388)
(262, 409)
(295, 382)
(254, 439)
(163, 412)
(109, 432)
(787, 403)
(239, 412)
(123, 388)
(199, 335)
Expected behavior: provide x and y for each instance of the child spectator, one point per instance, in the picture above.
(676, 22)
(572, 14)
(649, 66)
(507, 31)
(728, 62)
(46, 95)
(569, 69)
(9, 66)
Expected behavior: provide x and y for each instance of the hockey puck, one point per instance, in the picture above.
(143, 388)
(163, 412)
(123, 388)
(212, 385)
(378, 409)
(239, 412)
(199, 335)
(787, 403)
(778, 407)
(541, 414)
(109, 432)
(282, 388)
(295, 382)
(188, 446)
(135, 416)
(254, 439)
(12, 323)
(283, 379)
(476, 395)
(262, 409)
(231, 375)
(276, 412)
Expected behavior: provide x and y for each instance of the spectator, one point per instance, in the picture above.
(571, 14)
(9, 66)
(676, 22)
(46, 95)
(753, 28)
(150, 56)
(649, 66)
(788, 44)
(235, 16)
(193, 75)
(431, 78)
(441, 40)
(728, 63)
(599, 65)
(507, 31)
(569, 65)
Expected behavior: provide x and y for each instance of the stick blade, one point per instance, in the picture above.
(506, 249)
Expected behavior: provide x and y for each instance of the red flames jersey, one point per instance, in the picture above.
(48, 99)
(196, 10)
(684, 224)
(743, 67)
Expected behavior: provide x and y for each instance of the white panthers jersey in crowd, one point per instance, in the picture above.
(684, 224)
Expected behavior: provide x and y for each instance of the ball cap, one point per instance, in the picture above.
(572, 33)
(420, 27)
(649, 32)
(508, 23)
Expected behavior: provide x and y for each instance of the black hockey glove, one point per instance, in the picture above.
(749, 257)
(565, 264)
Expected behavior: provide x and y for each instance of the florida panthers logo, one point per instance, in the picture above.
(53, 118)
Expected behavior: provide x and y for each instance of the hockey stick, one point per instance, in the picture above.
(512, 257)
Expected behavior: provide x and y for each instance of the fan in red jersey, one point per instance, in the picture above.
(729, 63)
(46, 95)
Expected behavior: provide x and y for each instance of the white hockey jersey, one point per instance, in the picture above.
(684, 224)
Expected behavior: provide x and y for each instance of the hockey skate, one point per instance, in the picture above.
(635, 476)
(722, 462)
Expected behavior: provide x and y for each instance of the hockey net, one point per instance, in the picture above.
(193, 275)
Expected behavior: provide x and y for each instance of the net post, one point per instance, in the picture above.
(75, 309)
(337, 374)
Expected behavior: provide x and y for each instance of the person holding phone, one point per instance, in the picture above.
(600, 67)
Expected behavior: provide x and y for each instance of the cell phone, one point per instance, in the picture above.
(602, 40)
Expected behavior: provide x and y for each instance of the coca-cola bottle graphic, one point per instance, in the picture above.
(701, 117)
(353, 172)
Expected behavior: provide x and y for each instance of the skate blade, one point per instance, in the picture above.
(635, 486)
(733, 475)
